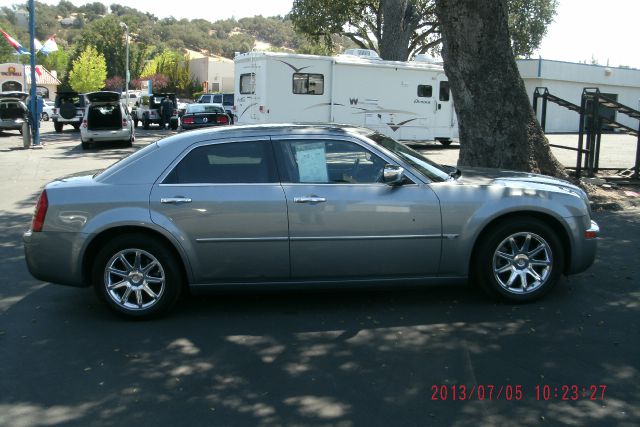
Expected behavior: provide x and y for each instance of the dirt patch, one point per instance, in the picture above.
(611, 196)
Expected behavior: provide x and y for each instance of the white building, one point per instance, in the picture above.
(17, 77)
(215, 73)
(566, 80)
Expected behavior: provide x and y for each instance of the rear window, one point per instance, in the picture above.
(227, 99)
(203, 108)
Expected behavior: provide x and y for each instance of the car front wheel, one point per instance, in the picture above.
(519, 260)
(137, 276)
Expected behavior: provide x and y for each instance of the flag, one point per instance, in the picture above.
(38, 71)
(49, 46)
(37, 45)
(14, 44)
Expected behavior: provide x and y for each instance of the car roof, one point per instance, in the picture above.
(240, 131)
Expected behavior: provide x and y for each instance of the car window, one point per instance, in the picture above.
(203, 108)
(330, 162)
(226, 163)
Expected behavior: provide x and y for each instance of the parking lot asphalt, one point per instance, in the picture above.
(385, 357)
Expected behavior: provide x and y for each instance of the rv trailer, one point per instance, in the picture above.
(404, 100)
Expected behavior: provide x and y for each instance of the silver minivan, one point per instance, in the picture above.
(106, 119)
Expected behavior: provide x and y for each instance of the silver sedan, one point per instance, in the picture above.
(302, 205)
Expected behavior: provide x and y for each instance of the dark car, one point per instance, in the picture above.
(226, 99)
(13, 110)
(204, 115)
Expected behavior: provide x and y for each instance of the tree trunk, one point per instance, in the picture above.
(399, 20)
(496, 121)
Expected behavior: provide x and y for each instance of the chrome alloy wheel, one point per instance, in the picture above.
(522, 263)
(134, 279)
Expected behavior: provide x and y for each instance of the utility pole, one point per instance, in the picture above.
(126, 72)
(35, 120)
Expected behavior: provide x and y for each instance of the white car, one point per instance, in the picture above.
(47, 110)
(106, 119)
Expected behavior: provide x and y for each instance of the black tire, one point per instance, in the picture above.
(45, 117)
(76, 126)
(444, 141)
(166, 275)
(510, 275)
(135, 123)
(57, 126)
(85, 145)
(145, 124)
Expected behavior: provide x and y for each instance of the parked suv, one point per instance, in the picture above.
(226, 99)
(147, 110)
(106, 118)
(69, 108)
(13, 110)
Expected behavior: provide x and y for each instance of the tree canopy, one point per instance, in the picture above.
(371, 23)
(89, 71)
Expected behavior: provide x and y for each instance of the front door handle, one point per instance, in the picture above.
(175, 200)
(309, 199)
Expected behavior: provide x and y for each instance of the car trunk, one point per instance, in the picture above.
(11, 110)
(104, 117)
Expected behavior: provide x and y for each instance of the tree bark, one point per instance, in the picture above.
(398, 25)
(497, 126)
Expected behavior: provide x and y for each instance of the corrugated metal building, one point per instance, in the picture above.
(567, 80)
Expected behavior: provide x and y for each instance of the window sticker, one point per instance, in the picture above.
(312, 164)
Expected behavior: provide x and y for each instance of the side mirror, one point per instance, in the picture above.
(392, 175)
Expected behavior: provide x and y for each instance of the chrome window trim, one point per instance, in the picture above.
(240, 239)
(394, 237)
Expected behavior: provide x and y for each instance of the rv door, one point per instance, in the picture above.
(443, 123)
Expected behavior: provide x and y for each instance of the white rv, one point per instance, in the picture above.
(404, 100)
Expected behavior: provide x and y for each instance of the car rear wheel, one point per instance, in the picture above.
(145, 123)
(45, 117)
(519, 260)
(57, 126)
(137, 276)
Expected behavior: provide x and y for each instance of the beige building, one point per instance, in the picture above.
(215, 73)
(14, 76)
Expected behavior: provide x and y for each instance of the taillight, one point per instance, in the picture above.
(261, 108)
(222, 120)
(234, 108)
(84, 123)
(41, 212)
(187, 120)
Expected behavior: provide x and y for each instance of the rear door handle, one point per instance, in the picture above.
(175, 200)
(309, 199)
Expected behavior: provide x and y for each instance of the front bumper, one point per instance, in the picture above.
(585, 243)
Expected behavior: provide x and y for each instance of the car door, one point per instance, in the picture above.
(224, 203)
(345, 223)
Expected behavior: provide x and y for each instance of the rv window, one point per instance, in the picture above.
(425, 91)
(247, 83)
(308, 84)
(444, 91)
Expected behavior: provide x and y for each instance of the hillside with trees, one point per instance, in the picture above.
(152, 40)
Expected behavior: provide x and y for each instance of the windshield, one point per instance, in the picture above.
(431, 170)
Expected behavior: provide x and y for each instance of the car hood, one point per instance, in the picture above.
(488, 176)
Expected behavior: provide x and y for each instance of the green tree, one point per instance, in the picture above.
(399, 29)
(58, 61)
(89, 71)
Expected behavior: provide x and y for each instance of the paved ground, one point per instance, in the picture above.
(366, 358)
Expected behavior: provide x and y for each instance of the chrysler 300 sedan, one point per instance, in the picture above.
(301, 205)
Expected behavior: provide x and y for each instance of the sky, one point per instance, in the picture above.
(583, 29)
